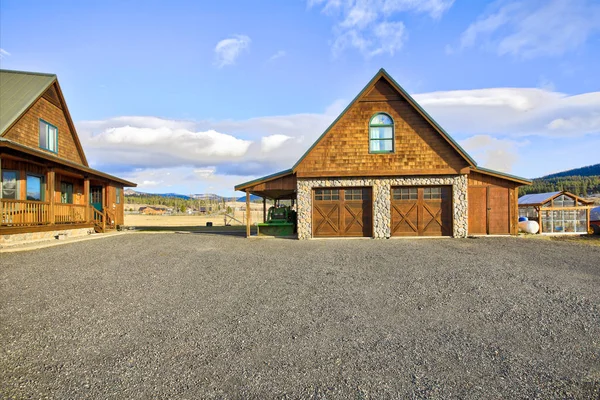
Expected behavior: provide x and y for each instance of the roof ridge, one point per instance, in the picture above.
(28, 72)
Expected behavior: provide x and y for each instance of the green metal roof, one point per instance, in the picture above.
(18, 90)
(263, 179)
(502, 174)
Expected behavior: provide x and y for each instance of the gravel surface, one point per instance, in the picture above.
(207, 316)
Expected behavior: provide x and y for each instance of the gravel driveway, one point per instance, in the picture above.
(207, 316)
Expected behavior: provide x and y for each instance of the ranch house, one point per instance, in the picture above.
(385, 168)
(47, 187)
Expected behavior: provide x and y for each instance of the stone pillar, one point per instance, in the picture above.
(304, 207)
(382, 220)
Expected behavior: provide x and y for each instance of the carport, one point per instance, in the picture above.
(278, 186)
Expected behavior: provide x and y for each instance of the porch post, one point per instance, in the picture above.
(51, 190)
(86, 198)
(103, 208)
(588, 211)
(264, 209)
(247, 214)
(103, 197)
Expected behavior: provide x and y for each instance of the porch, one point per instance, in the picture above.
(19, 216)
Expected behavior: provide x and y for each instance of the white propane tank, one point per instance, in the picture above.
(529, 226)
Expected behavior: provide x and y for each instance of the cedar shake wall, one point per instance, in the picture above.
(418, 149)
(26, 130)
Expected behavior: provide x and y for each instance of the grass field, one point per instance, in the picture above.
(141, 220)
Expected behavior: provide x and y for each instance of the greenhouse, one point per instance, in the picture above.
(557, 212)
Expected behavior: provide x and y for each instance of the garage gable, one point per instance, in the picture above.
(383, 132)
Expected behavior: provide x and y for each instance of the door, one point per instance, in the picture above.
(477, 210)
(96, 197)
(421, 211)
(342, 212)
(489, 210)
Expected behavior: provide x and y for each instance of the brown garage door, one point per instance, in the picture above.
(489, 210)
(422, 211)
(342, 212)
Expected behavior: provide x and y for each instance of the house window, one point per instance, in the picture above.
(119, 190)
(66, 192)
(48, 136)
(10, 187)
(381, 134)
(35, 187)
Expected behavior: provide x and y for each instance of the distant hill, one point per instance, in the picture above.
(590, 170)
(583, 181)
(253, 197)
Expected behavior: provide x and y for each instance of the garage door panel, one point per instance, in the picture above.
(422, 211)
(405, 218)
(342, 212)
(327, 218)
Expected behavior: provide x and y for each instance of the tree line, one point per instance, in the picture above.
(578, 185)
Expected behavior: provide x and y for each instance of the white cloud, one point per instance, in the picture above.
(498, 154)
(228, 50)
(371, 26)
(500, 127)
(273, 142)
(4, 53)
(535, 27)
(514, 112)
(279, 54)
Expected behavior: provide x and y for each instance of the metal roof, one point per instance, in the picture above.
(537, 198)
(502, 175)
(266, 178)
(18, 90)
(595, 214)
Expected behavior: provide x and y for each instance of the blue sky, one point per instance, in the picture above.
(192, 97)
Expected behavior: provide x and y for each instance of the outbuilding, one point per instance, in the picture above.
(557, 212)
(385, 168)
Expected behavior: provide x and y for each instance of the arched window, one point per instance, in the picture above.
(381, 134)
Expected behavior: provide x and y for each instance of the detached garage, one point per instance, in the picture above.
(384, 168)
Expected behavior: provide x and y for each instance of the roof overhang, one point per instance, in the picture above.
(19, 148)
(280, 185)
(502, 175)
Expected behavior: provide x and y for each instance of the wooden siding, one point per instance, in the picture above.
(493, 205)
(344, 150)
(26, 130)
(283, 187)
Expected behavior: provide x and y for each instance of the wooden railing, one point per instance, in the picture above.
(24, 212)
(69, 213)
(99, 220)
(111, 220)
(31, 213)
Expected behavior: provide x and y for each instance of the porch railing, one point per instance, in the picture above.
(70, 213)
(30, 213)
(24, 212)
